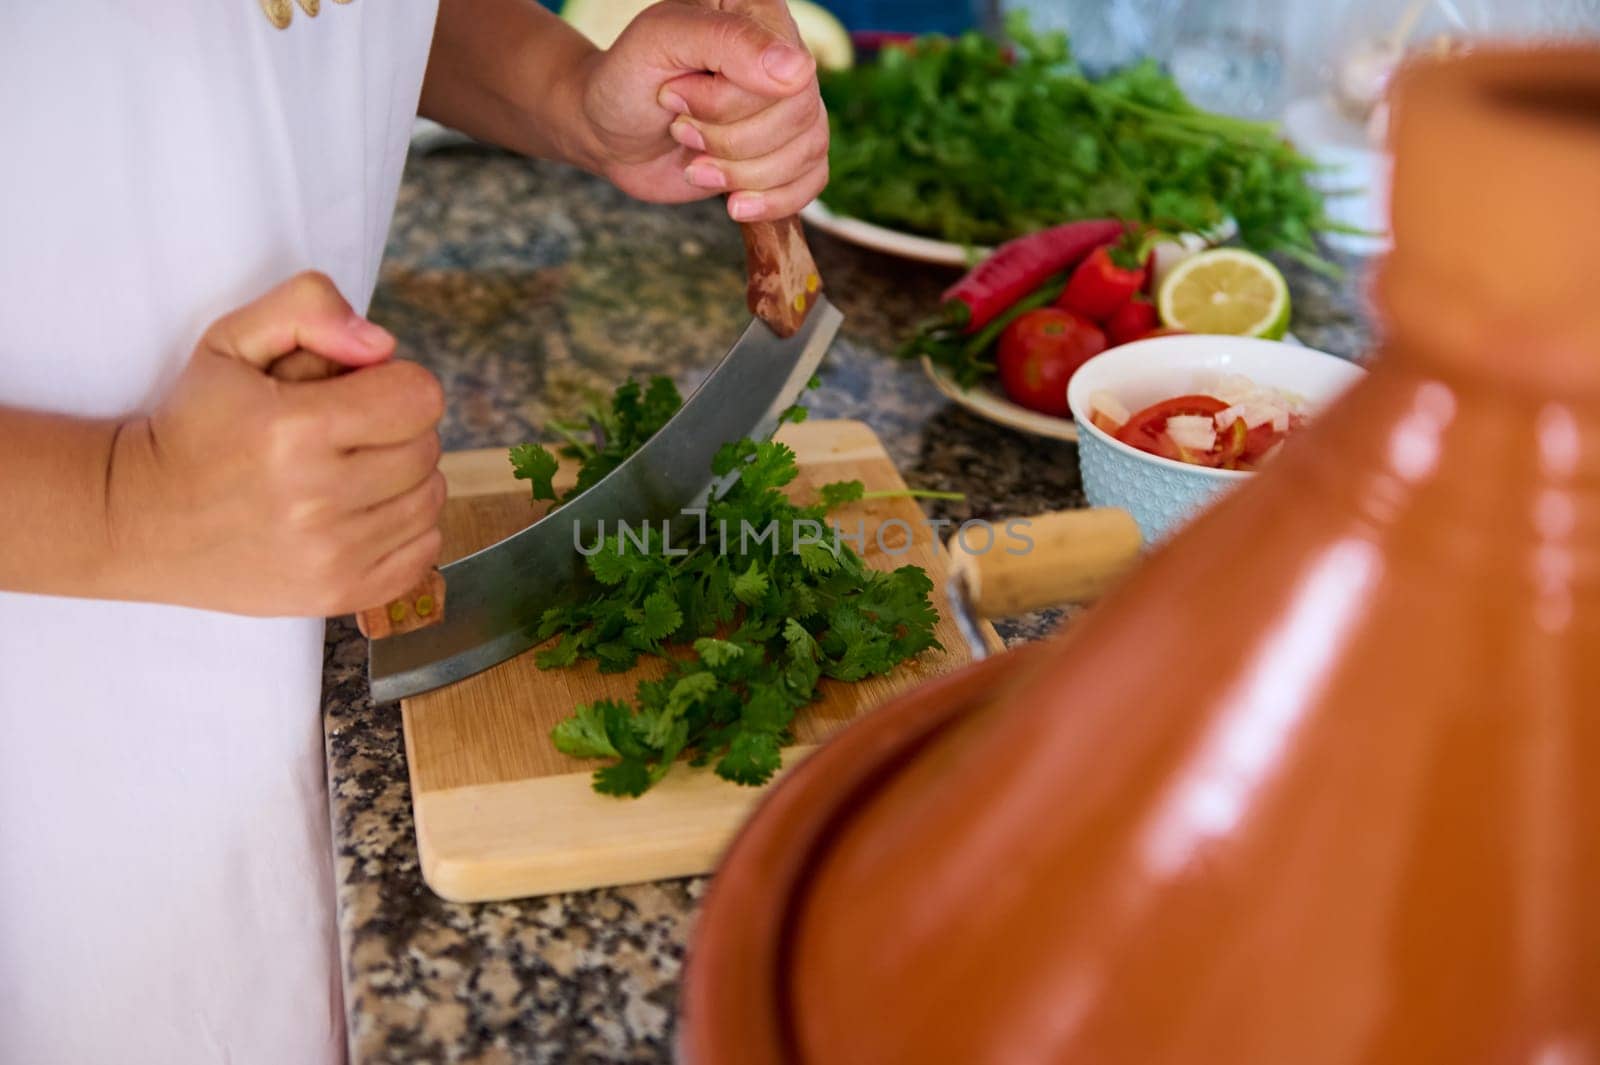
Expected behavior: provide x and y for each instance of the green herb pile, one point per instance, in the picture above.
(749, 631)
(618, 429)
(972, 141)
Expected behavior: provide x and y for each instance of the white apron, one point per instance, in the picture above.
(166, 882)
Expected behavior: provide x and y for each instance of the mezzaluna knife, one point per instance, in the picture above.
(496, 596)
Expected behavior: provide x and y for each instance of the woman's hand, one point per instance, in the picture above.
(695, 98)
(699, 97)
(255, 496)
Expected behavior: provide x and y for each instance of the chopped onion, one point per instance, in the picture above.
(1233, 388)
(1237, 390)
(1226, 418)
(1193, 432)
(1110, 406)
(1258, 413)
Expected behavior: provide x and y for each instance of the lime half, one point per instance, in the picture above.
(1226, 290)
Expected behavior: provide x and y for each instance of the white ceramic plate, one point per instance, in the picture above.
(891, 241)
(939, 252)
(987, 401)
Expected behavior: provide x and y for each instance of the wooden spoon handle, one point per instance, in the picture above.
(783, 278)
(423, 604)
(1075, 556)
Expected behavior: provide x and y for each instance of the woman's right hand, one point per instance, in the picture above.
(251, 495)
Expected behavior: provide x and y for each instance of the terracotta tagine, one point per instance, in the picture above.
(1320, 784)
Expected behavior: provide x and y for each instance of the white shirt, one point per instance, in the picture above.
(166, 884)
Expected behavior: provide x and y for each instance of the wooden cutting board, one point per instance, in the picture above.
(500, 813)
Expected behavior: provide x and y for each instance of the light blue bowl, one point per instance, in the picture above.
(1160, 499)
(1162, 494)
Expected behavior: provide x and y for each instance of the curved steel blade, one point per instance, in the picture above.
(495, 597)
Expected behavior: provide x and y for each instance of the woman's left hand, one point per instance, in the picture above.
(698, 98)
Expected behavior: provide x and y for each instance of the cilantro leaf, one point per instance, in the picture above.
(818, 558)
(750, 586)
(616, 656)
(730, 455)
(691, 689)
(839, 493)
(716, 652)
(563, 653)
(657, 617)
(629, 778)
(772, 466)
(661, 401)
(768, 712)
(801, 643)
(534, 462)
(752, 758)
(585, 734)
(608, 564)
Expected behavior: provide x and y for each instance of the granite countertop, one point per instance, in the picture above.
(528, 287)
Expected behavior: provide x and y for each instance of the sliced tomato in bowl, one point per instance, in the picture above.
(1149, 426)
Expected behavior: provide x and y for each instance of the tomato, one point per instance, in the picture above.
(1153, 419)
(1039, 353)
(1131, 321)
(1147, 429)
(1237, 447)
(1258, 442)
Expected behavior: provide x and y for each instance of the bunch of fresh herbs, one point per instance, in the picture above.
(976, 141)
(748, 626)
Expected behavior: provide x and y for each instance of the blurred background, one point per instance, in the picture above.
(1318, 67)
(1247, 57)
(913, 16)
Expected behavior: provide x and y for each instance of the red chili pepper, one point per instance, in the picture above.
(1020, 266)
(1100, 285)
(1131, 321)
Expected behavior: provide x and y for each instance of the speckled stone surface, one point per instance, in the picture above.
(528, 288)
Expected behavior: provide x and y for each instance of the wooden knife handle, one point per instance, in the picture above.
(423, 604)
(784, 283)
(1075, 556)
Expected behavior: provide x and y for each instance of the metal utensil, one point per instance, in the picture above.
(1071, 556)
(498, 594)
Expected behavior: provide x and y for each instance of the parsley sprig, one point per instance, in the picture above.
(749, 623)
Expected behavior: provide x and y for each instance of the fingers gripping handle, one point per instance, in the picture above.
(784, 283)
(422, 604)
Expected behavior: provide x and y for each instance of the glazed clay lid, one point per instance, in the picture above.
(972, 871)
(1500, 176)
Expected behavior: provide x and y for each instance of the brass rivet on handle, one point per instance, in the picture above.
(397, 612)
(423, 605)
(813, 282)
(800, 301)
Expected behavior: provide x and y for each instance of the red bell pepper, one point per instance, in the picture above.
(1101, 284)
